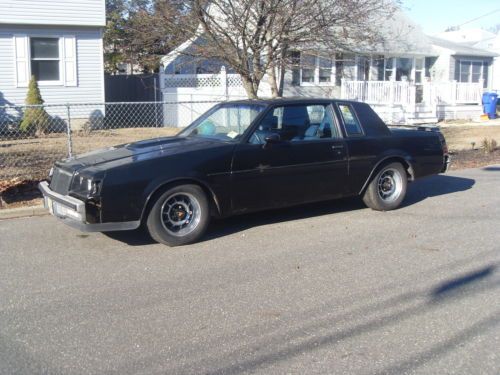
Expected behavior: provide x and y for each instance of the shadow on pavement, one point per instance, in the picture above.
(312, 332)
(434, 186)
(137, 237)
(493, 168)
(418, 191)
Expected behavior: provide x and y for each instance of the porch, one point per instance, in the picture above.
(397, 102)
(409, 103)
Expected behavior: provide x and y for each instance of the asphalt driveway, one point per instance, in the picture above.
(323, 289)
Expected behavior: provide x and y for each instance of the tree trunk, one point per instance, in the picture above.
(249, 87)
(282, 71)
(271, 72)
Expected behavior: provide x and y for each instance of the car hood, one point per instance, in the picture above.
(137, 151)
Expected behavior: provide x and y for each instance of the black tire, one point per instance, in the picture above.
(179, 216)
(387, 189)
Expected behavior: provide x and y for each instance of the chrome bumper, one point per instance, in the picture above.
(72, 212)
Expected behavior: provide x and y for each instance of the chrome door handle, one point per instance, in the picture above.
(337, 147)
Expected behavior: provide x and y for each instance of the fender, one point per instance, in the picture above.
(400, 156)
(155, 186)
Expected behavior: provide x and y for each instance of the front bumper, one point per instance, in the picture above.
(72, 212)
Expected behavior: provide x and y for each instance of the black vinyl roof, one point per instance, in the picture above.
(286, 101)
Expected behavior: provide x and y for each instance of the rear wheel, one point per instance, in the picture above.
(179, 216)
(387, 189)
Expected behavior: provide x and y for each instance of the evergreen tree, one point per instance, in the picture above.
(35, 118)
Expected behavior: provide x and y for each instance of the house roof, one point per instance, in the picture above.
(399, 36)
(461, 49)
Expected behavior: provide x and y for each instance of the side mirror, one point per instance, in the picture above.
(272, 139)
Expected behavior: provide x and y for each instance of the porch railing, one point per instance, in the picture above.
(407, 94)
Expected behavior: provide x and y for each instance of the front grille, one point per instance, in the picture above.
(60, 181)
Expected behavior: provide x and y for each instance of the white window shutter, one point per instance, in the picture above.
(22, 69)
(69, 61)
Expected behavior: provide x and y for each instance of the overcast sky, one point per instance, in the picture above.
(436, 15)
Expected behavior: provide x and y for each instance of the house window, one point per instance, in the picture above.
(363, 68)
(403, 69)
(45, 63)
(315, 70)
(473, 71)
(419, 69)
(389, 69)
(295, 63)
(325, 70)
(308, 67)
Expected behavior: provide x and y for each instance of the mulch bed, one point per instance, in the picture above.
(18, 193)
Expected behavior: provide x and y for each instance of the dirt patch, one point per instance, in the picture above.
(473, 159)
(469, 137)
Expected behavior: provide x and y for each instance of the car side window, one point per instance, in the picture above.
(297, 123)
(352, 126)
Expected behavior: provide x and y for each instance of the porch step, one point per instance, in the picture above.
(421, 116)
(421, 120)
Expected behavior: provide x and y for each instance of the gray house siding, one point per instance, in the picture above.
(53, 12)
(89, 86)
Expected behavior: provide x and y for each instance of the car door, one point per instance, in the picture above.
(308, 163)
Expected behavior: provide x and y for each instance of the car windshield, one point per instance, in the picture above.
(226, 122)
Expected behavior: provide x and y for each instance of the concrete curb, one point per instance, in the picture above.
(16, 213)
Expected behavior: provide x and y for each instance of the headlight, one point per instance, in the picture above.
(85, 185)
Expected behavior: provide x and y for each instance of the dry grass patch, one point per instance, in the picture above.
(469, 137)
(30, 159)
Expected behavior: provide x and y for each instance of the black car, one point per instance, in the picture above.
(239, 157)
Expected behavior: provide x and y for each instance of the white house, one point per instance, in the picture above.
(57, 41)
(479, 38)
(409, 78)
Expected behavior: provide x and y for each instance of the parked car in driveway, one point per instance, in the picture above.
(240, 157)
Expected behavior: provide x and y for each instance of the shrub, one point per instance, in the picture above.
(35, 118)
(489, 145)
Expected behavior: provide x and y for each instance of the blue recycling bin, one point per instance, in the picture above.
(490, 104)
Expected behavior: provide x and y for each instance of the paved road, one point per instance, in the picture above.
(322, 289)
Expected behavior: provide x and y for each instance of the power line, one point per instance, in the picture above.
(478, 18)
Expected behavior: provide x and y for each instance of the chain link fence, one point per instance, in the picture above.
(32, 138)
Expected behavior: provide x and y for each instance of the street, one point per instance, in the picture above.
(332, 288)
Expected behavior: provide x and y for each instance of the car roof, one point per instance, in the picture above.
(286, 101)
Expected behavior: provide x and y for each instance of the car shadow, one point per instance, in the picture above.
(492, 168)
(434, 186)
(418, 191)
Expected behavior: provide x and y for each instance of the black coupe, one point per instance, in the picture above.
(239, 157)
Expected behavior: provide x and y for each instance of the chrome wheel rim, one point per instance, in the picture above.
(390, 185)
(180, 214)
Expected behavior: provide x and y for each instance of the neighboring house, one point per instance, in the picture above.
(57, 41)
(409, 78)
(478, 38)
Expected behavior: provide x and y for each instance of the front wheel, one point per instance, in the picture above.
(179, 216)
(387, 189)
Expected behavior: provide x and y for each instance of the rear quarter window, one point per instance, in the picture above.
(351, 123)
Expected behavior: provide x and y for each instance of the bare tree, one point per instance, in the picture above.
(154, 28)
(255, 37)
